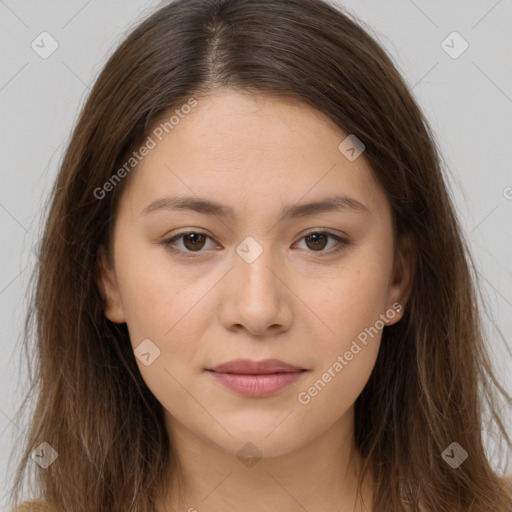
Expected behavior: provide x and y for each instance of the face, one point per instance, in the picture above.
(263, 277)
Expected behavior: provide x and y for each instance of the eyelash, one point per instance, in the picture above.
(342, 243)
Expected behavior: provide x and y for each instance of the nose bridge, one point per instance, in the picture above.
(254, 298)
(253, 267)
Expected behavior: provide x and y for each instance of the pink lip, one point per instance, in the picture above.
(256, 379)
(257, 385)
(247, 366)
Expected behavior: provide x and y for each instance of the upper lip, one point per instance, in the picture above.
(246, 366)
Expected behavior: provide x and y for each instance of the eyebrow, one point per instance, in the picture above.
(210, 207)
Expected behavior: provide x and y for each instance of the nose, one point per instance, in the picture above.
(256, 297)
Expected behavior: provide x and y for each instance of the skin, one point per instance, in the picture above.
(256, 154)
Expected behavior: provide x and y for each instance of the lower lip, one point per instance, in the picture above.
(258, 385)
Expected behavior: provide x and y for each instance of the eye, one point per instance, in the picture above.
(194, 241)
(317, 240)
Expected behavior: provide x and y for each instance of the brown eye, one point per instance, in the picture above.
(318, 241)
(191, 242)
(194, 241)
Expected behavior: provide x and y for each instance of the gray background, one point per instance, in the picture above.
(467, 100)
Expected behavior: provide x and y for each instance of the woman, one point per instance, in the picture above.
(253, 291)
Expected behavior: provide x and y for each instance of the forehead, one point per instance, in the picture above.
(247, 149)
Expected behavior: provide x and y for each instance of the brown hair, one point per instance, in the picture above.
(432, 377)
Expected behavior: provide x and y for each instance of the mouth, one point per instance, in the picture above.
(248, 367)
(256, 379)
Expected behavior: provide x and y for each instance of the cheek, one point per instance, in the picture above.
(172, 308)
(350, 305)
(167, 310)
(335, 387)
(158, 294)
(351, 299)
(351, 308)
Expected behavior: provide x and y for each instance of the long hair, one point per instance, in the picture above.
(432, 381)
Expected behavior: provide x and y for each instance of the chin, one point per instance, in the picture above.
(257, 444)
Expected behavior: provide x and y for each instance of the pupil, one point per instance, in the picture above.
(315, 236)
(194, 241)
